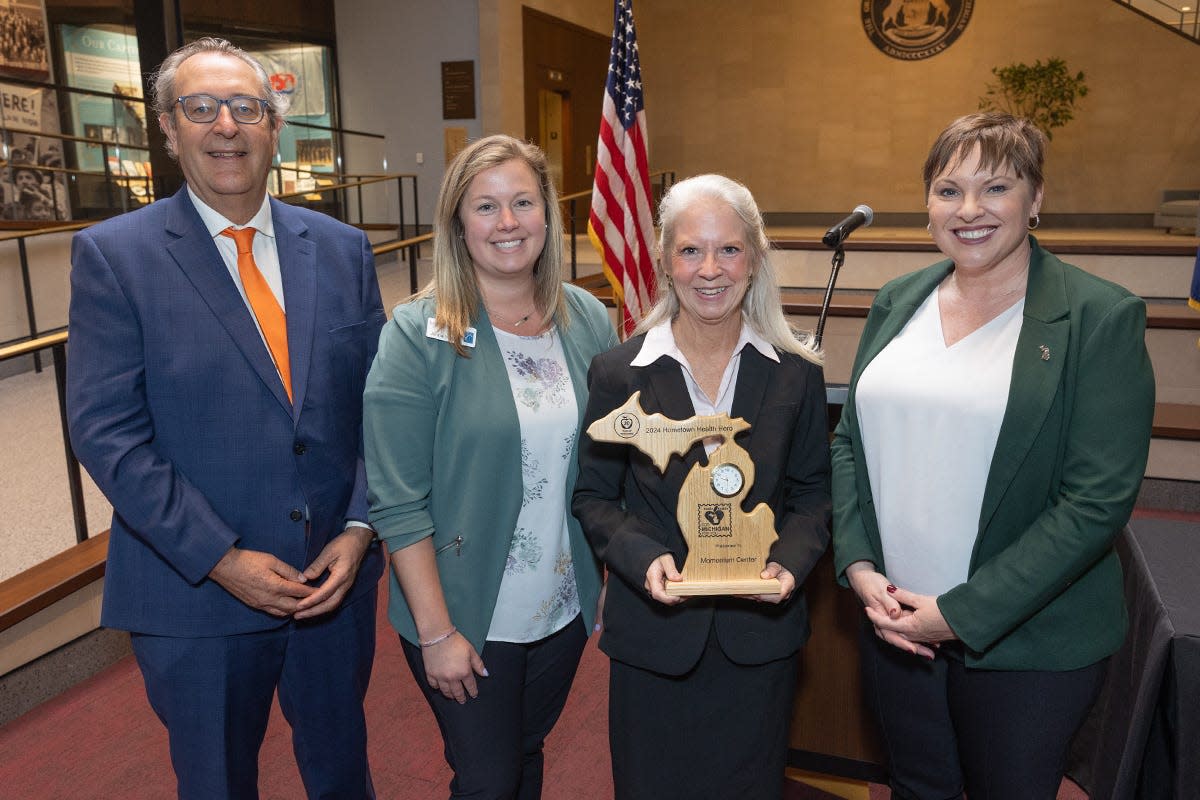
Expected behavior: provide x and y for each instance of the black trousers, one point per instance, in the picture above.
(494, 741)
(718, 732)
(1000, 735)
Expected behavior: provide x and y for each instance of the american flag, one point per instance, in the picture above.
(621, 225)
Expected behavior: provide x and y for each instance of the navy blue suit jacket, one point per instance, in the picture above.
(178, 413)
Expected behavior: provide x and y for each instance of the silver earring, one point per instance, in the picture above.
(1034, 222)
(929, 227)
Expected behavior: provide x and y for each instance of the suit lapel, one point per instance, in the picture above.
(754, 374)
(197, 256)
(666, 392)
(1037, 369)
(896, 311)
(298, 265)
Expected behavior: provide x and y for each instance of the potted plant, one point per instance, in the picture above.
(1043, 93)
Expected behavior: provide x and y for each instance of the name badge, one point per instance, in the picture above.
(432, 331)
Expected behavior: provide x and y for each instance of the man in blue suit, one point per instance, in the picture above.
(219, 344)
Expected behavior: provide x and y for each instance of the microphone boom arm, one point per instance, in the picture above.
(839, 258)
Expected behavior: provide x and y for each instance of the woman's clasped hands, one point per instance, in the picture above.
(906, 620)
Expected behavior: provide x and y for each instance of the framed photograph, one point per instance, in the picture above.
(23, 50)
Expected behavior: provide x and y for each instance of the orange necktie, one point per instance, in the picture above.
(266, 308)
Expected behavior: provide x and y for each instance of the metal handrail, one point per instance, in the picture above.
(62, 87)
(666, 179)
(57, 344)
(1155, 13)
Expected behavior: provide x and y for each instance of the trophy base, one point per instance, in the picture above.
(731, 586)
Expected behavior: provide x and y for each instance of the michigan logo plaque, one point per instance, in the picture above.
(727, 547)
(912, 30)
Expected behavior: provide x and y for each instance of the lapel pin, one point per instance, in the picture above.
(1045, 352)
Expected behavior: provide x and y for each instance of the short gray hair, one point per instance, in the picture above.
(165, 94)
(762, 308)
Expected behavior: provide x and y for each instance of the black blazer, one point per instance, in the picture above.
(627, 507)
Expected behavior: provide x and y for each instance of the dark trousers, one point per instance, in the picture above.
(493, 742)
(717, 732)
(1000, 735)
(214, 696)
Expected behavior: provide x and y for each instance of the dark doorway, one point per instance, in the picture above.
(565, 69)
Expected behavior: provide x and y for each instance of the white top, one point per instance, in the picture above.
(538, 593)
(660, 341)
(930, 416)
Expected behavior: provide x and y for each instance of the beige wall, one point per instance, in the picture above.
(501, 68)
(791, 97)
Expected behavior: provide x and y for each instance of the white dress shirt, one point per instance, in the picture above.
(660, 341)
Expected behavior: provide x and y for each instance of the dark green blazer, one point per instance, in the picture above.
(1044, 589)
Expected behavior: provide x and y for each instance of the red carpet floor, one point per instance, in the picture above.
(100, 741)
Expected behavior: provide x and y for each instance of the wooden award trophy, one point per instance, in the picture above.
(727, 547)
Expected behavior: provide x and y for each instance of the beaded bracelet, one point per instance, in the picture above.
(439, 639)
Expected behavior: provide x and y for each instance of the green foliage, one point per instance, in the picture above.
(1044, 93)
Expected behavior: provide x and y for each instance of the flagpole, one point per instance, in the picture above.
(621, 218)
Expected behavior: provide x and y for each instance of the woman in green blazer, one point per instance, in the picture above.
(471, 421)
(989, 453)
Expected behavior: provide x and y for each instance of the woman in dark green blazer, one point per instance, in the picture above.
(989, 453)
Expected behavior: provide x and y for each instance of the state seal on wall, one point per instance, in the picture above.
(915, 29)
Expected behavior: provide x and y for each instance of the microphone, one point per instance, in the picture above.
(860, 217)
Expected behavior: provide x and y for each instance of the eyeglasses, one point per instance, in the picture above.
(203, 108)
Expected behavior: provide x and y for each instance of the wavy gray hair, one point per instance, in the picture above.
(762, 308)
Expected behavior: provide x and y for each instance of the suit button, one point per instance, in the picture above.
(299, 448)
(296, 515)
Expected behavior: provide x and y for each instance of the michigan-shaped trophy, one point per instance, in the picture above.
(727, 547)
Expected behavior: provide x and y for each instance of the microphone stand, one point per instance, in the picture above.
(839, 258)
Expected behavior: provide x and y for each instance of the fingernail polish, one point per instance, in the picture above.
(891, 589)
(485, 673)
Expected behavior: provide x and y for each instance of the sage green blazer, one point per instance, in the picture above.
(443, 454)
(1044, 589)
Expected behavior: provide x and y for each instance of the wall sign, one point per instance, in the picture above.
(911, 30)
(458, 90)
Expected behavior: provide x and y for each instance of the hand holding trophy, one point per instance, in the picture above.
(727, 547)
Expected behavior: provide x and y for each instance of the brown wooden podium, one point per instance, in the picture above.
(832, 731)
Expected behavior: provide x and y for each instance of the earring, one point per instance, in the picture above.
(929, 227)
(1034, 222)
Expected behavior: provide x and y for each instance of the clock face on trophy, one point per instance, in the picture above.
(727, 479)
(727, 547)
